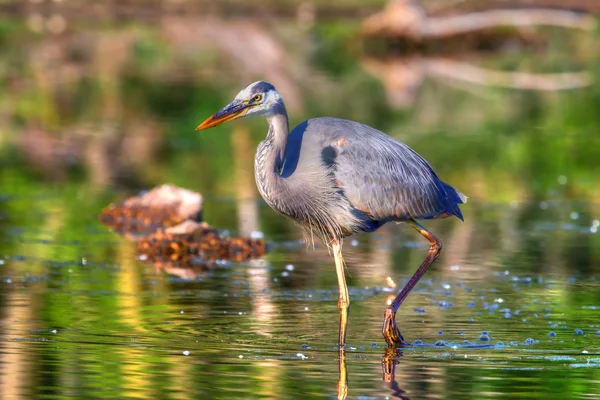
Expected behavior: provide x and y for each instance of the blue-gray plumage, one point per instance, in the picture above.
(337, 177)
(376, 178)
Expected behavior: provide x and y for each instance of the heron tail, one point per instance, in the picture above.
(455, 197)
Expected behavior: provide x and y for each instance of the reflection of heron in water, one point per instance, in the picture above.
(336, 177)
(391, 358)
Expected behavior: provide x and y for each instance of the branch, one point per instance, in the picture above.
(406, 18)
(454, 25)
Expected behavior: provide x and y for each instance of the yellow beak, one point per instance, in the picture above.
(232, 111)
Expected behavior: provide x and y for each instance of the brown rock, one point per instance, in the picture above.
(165, 222)
(161, 208)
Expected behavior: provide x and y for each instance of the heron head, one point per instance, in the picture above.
(257, 99)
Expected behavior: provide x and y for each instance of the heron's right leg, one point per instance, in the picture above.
(342, 385)
(344, 300)
(390, 329)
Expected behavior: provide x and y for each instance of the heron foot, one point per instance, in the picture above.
(390, 330)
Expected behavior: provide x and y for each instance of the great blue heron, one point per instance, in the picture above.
(336, 177)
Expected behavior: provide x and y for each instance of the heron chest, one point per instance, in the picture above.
(308, 194)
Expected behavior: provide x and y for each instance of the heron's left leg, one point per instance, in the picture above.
(390, 329)
(344, 300)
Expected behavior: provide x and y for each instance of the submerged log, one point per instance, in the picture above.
(166, 224)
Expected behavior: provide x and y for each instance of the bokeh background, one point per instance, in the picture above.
(99, 100)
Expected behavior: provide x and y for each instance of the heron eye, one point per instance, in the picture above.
(257, 97)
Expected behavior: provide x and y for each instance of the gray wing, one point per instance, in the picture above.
(382, 176)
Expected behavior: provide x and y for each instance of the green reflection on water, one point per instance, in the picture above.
(103, 111)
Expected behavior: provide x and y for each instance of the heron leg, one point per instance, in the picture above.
(390, 329)
(344, 300)
(342, 385)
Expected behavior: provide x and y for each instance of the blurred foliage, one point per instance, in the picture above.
(525, 140)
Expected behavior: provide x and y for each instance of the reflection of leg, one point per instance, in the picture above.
(390, 330)
(391, 357)
(342, 385)
(344, 301)
(388, 364)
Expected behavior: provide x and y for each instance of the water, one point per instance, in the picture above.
(83, 317)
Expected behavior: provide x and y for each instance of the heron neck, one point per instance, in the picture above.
(278, 133)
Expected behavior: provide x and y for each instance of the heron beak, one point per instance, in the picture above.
(232, 111)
